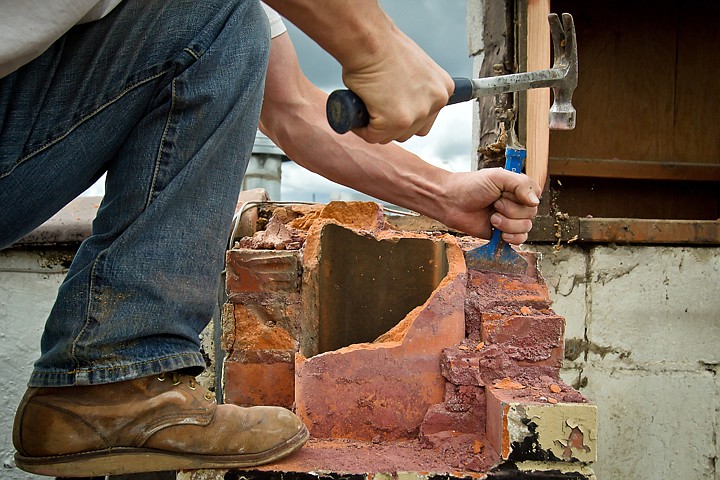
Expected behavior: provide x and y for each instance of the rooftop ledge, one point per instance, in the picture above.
(73, 224)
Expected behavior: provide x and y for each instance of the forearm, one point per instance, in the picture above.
(387, 172)
(293, 115)
(343, 28)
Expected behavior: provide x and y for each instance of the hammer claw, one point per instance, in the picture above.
(557, 34)
(562, 115)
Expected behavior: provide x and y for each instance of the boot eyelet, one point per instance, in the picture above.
(208, 395)
(193, 386)
(161, 377)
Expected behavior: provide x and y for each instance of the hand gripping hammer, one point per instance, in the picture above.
(345, 110)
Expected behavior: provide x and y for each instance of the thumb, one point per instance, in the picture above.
(523, 188)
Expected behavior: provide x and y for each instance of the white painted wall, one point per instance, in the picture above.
(648, 322)
(28, 286)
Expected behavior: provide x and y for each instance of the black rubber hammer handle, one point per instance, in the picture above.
(345, 110)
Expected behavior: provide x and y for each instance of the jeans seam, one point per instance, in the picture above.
(159, 157)
(82, 120)
(91, 287)
(192, 52)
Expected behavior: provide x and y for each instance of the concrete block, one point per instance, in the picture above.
(28, 285)
(654, 424)
(475, 17)
(652, 305)
(526, 430)
(566, 275)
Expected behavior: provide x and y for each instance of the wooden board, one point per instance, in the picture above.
(538, 100)
(648, 82)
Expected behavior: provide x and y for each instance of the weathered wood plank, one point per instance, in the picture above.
(629, 169)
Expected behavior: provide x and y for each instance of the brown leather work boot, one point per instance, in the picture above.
(146, 425)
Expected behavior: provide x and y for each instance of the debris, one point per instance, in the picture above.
(555, 388)
(477, 446)
(552, 400)
(507, 384)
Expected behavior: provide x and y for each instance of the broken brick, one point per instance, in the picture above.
(439, 419)
(527, 338)
(460, 366)
(261, 271)
(462, 398)
(266, 381)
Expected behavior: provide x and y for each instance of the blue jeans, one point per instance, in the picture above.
(165, 97)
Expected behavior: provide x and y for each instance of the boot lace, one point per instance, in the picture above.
(176, 379)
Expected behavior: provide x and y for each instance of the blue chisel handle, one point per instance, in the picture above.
(514, 159)
(345, 110)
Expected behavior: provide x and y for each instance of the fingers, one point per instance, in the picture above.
(512, 218)
(516, 207)
(385, 127)
(509, 208)
(403, 91)
(515, 238)
(518, 188)
(514, 230)
(511, 225)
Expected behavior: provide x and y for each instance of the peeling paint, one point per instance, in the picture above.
(569, 432)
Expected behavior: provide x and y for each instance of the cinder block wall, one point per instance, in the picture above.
(29, 279)
(642, 340)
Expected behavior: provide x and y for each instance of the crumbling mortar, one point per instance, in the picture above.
(574, 347)
(588, 298)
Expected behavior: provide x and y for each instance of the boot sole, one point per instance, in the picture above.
(126, 460)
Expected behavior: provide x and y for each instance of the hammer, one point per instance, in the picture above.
(345, 110)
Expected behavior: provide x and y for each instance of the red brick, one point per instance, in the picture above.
(261, 271)
(495, 364)
(495, 292)
(527, 339)
(383, 390)
(439, 419)
(460, 367)
(463, 398)
(261, 383)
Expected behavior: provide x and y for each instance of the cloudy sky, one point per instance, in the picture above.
(439, 28)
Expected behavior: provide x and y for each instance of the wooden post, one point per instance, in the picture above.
(538, 100)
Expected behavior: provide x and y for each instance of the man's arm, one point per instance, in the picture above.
(402, 87)
(293, 116)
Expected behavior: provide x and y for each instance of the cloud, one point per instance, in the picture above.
(438, 27)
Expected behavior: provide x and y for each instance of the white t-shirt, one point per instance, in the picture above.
(29, 27)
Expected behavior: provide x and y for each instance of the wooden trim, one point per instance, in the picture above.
(538, 100)
(569, 230)
(634, 169)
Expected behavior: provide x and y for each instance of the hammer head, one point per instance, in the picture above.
(562, 113)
